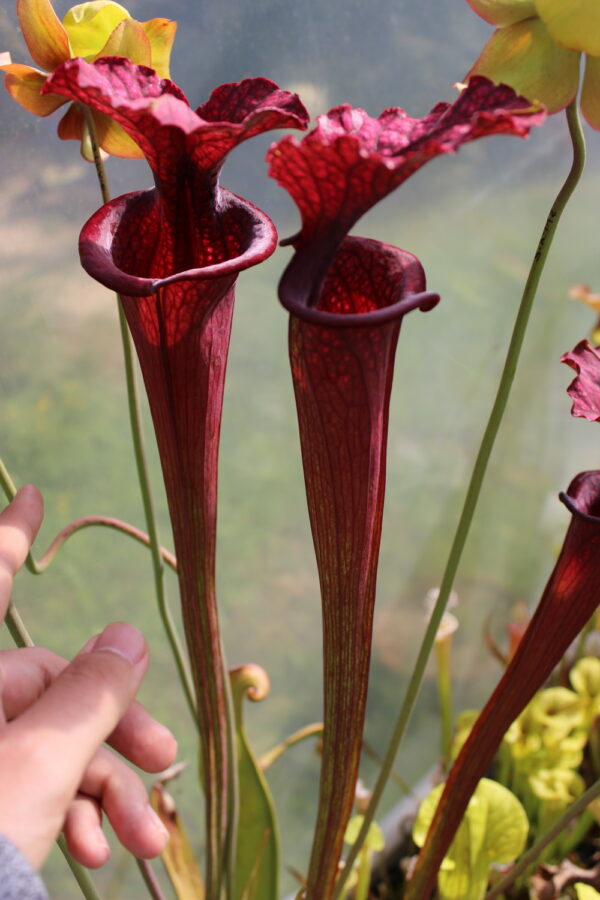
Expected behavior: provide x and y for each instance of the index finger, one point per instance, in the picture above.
(19, 524)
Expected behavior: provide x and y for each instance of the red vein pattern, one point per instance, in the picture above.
(584, 390)
(567, 604)
(342, 382)
(173, 254)
(347, 298)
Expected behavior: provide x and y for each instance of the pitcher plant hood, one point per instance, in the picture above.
(347, 297)
(173, 253)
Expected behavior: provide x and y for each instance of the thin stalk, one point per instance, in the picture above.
(82, 876)
(444, 686)
(477, 476)
(150, 879)
(576, 809)
(99, 522)
(361, 891)
(16, 627)
(234, 793)
(139, 448)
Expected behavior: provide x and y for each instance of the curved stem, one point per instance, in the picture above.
(477, 476)
(40, 565)
(540, 845)
(102, 522)
(141, 462)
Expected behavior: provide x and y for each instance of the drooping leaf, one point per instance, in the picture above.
(526, 57)
(44, 34)
(24, 84)
(575, 25)
(590, 92)
(178, 857)
(503, 12)
(90, 29)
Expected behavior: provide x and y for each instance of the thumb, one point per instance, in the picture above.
(57, 737)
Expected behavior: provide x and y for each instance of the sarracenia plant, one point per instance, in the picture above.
(346, 298)
(173, 254)
(177, 288)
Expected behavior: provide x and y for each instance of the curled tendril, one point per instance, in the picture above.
(250, 681)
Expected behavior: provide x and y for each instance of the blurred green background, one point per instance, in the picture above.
(474, 221)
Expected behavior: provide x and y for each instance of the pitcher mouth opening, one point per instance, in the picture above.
(368, 283)
(582, 497)
(250, 238)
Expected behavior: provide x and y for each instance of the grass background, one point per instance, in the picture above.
(474, 221)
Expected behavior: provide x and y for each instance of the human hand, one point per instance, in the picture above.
(54, 717)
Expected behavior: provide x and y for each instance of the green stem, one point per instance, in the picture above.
(444, 686)
(234, 793)
(16, 627)
(361, 892)
(82, 876)
(576, 809)
(141, 462)
(478, 474)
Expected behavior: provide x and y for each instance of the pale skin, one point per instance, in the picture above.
(55, 772)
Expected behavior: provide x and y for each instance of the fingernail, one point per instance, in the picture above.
(124, 640)
(101, 840)
(156, 823)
